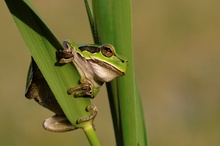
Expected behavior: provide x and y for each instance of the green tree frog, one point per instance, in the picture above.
(95, 64)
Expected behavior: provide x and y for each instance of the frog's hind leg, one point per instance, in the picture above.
(58, 123)
(91, 117)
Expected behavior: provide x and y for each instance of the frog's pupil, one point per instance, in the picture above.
(108, 49)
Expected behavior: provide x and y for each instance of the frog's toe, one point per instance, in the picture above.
(91, 117)
(58, 124)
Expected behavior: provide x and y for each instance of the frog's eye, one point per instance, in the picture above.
(107, 50)
(67, 45)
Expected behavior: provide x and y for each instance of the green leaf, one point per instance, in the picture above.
(43, 46)
(112, 19)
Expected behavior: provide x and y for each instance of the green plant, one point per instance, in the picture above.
(112, 24)
(108, 26)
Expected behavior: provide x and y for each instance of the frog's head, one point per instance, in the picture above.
(94, 62)
(105, 62)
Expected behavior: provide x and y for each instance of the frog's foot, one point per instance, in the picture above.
(83, 90)
(65, 55)
(58, 124)
(91, 117)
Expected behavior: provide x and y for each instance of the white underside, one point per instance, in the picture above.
(93, 72)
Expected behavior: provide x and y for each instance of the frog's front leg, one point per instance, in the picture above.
(66, 55)
(83, 90)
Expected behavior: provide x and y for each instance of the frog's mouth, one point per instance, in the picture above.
(106, 65)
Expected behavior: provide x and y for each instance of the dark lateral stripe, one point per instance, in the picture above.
(90, 49)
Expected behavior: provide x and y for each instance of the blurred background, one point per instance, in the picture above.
(177, 58)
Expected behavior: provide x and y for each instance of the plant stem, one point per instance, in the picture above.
(91, 135)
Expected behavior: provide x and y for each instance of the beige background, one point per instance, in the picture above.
(177, 58)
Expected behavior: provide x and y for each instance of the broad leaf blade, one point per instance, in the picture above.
(43, 46)
(113, 23)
